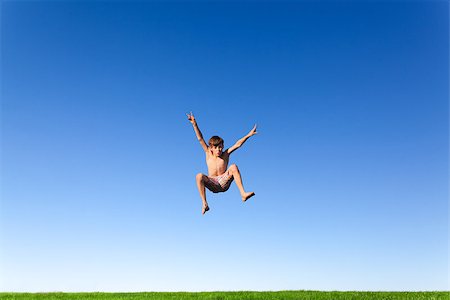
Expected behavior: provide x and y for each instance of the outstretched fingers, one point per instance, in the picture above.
(190, 116)
(253, 131)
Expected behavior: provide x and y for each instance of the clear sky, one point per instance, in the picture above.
(350, 165)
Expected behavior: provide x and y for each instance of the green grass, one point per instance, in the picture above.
(282, 295)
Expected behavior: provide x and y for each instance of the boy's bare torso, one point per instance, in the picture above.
(217, 165)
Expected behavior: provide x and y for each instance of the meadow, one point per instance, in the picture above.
(282, 295)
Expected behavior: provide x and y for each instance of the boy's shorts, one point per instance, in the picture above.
(217, 184)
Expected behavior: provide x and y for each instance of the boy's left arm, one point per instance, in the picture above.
(239, 143)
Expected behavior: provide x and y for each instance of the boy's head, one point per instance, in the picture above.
(216, 145)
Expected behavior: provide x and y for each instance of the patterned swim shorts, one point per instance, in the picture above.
(217, 184)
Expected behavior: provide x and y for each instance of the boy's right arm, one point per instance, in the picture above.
(197, 131)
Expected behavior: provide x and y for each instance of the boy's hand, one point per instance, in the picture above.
(253, 131)
(191, 118)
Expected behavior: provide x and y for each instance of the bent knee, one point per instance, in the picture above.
(233, 167)
(199, 176)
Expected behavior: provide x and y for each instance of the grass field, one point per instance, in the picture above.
(282, 295)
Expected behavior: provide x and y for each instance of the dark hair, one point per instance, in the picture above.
(215, 141)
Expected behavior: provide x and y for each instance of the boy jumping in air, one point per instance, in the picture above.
(219, 177)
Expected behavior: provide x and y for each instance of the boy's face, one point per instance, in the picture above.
(217, 150)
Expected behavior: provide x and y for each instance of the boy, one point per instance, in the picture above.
(219, 177)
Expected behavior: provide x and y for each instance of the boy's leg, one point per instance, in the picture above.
(237, 177)
(201, 189)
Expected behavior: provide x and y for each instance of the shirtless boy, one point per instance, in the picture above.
(219, 177)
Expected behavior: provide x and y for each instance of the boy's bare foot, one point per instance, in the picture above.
(247, 196)
(205, 209)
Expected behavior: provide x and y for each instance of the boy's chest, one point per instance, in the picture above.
(217, 161)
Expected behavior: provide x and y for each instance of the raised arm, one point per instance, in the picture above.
(239, 143)
(197, 131)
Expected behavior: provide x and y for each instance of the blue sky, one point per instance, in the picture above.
(350, 165)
